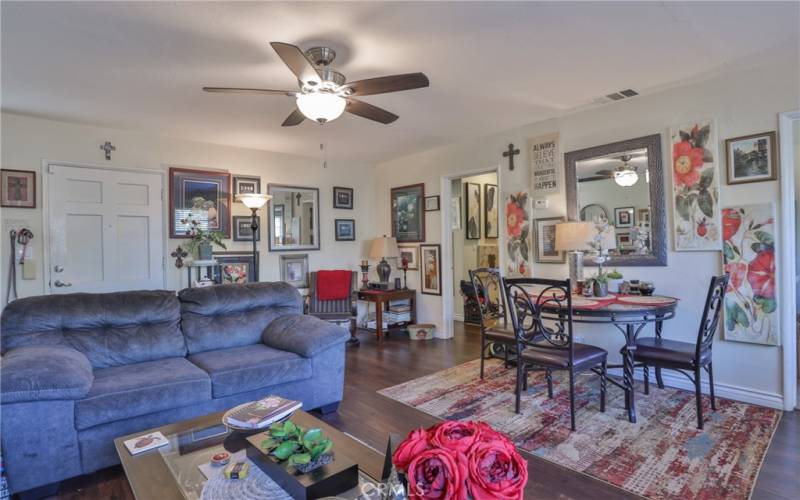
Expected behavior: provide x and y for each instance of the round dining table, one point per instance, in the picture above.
(627, 313)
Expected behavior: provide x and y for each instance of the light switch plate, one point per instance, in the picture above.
(540, 203)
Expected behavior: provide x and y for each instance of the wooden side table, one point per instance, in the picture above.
(381, 298)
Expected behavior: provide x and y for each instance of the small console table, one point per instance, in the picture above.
(203, 269)
(381, 298)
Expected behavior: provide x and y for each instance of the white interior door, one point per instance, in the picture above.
(106, 230)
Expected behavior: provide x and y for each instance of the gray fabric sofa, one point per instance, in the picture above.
(79, 370)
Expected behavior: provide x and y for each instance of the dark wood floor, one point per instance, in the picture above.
(370, 417)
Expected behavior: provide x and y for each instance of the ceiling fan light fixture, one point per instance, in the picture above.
(321, 107)
(626, 178)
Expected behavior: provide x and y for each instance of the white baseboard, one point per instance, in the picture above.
(458, 317)
(735, 392)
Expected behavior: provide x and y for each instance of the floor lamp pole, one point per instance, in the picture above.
(254, 227)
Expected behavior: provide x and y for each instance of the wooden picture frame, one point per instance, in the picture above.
(188, 189)
(18, 188)
(234, 267)
(430, 269)
(545, 241)
(432, 203)
(411, 252)
(624, 217)
(242, 230)
(491, 211)
(343, 197)
(472, 202)
(752, 158)
(408, 214)
(345, 229)
(245, 184)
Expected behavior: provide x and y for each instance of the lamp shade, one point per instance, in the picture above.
(253, 200)
(575, 236)
(321, 106)
(383, 247)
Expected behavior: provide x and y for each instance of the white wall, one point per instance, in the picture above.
(744, 101)
(26, 141)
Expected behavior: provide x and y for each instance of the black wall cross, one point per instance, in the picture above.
(510, 155)
(108, 148)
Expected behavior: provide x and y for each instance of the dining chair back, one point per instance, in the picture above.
(709, 322)
(488, 290)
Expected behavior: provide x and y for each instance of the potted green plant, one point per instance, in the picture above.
(614, 280)
(306, 450)
(202, 239)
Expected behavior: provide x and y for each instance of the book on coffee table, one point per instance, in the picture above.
(147, 442)
(261, 413)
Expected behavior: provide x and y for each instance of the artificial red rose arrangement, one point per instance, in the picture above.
(459, 460)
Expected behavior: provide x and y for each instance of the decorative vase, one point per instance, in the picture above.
(614, 284)
(600, 289)
(205, 252)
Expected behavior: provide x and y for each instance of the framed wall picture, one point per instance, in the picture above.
(752, 158)
(203, 195)
(455, 213)
(408, 216)
(294, 269)
(411, 254)
(242, 228)
(490, 211)
(234, 267)
(345, 229)
(624, 240)
(472, 195)
(643, 217)
(545, 241)
(432, 203)
(431, 269)
(624, 217)
(342, 197)
(18, 188)
(246, 185)
(489, 256)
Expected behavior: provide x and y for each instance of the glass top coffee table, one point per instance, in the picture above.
(178, 470)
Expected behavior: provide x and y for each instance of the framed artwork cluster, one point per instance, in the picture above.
(18, 188)
(481, 211)
(408, 214)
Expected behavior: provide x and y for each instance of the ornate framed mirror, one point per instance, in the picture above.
(622, 183)
(293, 218)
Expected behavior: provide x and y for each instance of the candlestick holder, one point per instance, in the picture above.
(404, 267)
(364, 276)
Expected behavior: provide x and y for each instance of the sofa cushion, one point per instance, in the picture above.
(241, 369)
(225, 316)
(110, 329)
(302, 334)
(35, 373)
(139, 389)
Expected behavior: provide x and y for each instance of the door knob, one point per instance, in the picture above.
(62, 283)
(59, 269)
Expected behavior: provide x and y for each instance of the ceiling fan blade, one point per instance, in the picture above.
(393, 83)
(293, 57)
(296, 118)
(604, 172)
(370, 112)
(232, 90)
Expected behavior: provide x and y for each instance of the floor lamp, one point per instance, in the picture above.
(254, 201)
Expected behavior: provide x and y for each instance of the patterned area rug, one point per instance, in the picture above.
(663, 455)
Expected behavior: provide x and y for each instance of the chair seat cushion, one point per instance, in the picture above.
(498, 334)
(585, 354)
(126, 391)
(655, 350)
(246, 368)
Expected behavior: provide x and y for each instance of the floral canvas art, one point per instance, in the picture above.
(695, 187)
(518, 232)
(749, 257)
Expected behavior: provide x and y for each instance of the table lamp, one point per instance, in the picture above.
(383, 248)
(575, 238)
(254, 201)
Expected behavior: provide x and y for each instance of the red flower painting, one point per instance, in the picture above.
(517, 234)
(749, 258)
(686, 163)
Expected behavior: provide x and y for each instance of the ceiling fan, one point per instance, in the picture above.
(323, 95)
(625, 175)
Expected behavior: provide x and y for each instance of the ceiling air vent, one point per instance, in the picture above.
(615, 96)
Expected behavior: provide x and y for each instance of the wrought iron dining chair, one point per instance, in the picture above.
(686, 356)
(487, 287)
(542, 321)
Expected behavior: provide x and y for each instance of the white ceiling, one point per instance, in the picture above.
(492, 66)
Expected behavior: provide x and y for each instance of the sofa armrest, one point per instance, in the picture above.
(38, 373)
(303, 335)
